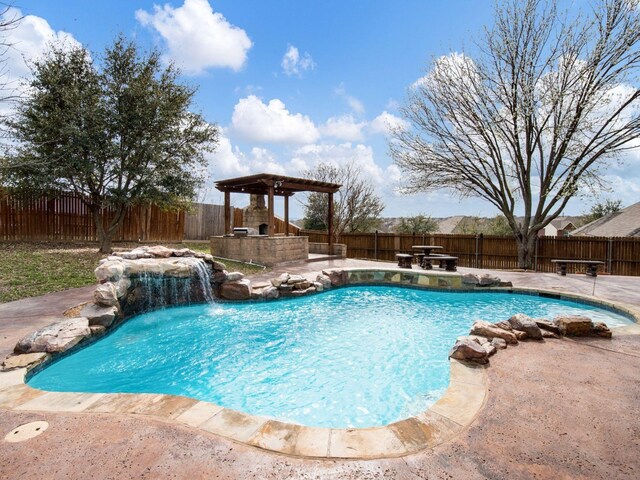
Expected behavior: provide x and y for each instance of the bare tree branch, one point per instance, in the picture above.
(531, 121)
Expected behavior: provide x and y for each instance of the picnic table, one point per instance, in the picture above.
(423, 257)
(592, 266)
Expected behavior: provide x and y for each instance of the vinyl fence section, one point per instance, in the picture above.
(66, 218)
(621, 255)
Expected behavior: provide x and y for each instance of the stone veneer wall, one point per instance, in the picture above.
(261, 250)
(339, 249)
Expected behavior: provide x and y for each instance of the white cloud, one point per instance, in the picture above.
(264, 161)
(256, 121)
(197, 37)
(29, 40)
(354, 104)
(343, 128)
(294, 64)
(386, 122)
(227, 161)
(359, 155)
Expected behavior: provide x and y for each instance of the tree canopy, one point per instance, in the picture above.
(118, 134)
(417, 224)
(356, 206)
(601, 209)
(529, 121)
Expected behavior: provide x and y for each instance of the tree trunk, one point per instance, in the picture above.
(105, 235)
(526, 243)
(105, 243)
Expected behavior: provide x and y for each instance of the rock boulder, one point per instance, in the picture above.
(486, 329)
(337, 277)
(99, 315)
(547, 325)
(106, 295)
(110, 271)
(574, 325)
(282, 279)
(234, 276)
(499, 343)
(470, 279)
(57, 337)
(238, 290)
(488, 280)
(526, 324)
(324, 280)
(601, 330)
(24, 360)
(470, 351)
(270, 293)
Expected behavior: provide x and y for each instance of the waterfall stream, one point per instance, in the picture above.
(162, 290)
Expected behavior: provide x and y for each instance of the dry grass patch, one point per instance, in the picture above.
(37, 268)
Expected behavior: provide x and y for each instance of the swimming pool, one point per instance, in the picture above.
(351, 357)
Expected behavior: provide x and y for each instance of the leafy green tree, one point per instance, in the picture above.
(356, 206)
(498, 225)
(469, 226)
(601, 209)
(117, 135)
(418, 224)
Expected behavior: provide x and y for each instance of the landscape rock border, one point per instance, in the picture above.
(486, 338)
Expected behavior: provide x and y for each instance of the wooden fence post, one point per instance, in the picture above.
(375, 245)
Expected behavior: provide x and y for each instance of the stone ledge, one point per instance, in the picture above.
(430, 428)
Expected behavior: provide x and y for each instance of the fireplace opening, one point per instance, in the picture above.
(263, 229)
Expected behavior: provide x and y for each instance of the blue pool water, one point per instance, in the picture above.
(352, 357)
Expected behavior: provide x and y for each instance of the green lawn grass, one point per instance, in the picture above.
(31, 269)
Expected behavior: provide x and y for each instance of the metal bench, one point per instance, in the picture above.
(404, 260)
(592, 266)
(448, 262)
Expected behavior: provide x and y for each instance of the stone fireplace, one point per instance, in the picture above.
(256, 215)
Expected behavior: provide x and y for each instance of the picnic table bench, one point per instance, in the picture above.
(449, 263)
(404, 260)
(592, 266)
(425, 252)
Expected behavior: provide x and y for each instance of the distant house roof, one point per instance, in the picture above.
(625, 223)
(448, 225)
(561, 223)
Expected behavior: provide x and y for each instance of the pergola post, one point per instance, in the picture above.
(286, 215)
(227, 213)
(330, 223)
(271, 216)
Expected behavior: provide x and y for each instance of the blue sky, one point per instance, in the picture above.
(291, 83)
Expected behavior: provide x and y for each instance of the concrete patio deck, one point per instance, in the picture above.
(568, 409)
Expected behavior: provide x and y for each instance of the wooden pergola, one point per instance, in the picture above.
(272, 186)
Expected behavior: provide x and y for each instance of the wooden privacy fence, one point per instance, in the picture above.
(203, 221)
(66, 218)
(620, 254)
